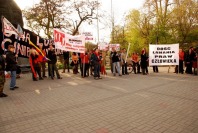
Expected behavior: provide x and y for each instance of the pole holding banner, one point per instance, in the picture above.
(127, 52)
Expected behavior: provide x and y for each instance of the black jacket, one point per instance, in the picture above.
(11, 61)
(52, 57)
(66, 55)
(144, 60)
(115, 57)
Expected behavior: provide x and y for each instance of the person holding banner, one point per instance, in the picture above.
(116, 62)
(124, 64)
(42, 60)
(11, 66)
(34, 64)
(52, 62)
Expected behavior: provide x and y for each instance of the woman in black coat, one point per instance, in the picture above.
(144, 59)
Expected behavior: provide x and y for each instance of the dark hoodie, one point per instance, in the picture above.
(11, 61)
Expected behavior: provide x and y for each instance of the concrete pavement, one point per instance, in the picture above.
(157, 103)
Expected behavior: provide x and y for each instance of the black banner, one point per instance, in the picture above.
(22, 45)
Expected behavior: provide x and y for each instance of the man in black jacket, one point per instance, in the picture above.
(52, 63)
(116, 61)
(11, 66)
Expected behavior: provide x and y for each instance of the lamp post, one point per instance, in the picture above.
(98, 24)
(112, 21)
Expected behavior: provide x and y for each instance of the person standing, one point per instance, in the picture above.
(189, 62)
(144, 62)
(2, 75)
(116, 62)
(135, 61)
(52, 63)
(85, 63)
(66, 61)
(35, 64)
(42, 60)
(181, 61)
(11, 66)
(155, 69)
(103, 63)
(96, 62)
(75, 63)
(124, 64)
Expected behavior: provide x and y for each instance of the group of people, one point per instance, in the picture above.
(90, 63)
(189, 60)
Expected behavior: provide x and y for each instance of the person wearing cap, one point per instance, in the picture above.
(11, 66)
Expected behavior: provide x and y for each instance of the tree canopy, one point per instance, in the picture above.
(67, 15)
(161, 22)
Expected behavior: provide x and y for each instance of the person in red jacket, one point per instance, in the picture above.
(34, 64)
(85, 63)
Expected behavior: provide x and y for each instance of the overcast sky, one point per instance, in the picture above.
(120, 8)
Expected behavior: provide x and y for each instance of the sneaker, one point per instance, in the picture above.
(11, 89)
(99, 78)
(59, 78)
(3, 95)
(95, 78)
(40, 78)
(44, 76)
(16, 87)
(35, 79)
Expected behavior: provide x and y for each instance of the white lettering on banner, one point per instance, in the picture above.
(163, 54)
(67, 42)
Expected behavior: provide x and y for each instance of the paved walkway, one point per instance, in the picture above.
(157, 103)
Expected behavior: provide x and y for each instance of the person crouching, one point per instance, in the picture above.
(34, 64)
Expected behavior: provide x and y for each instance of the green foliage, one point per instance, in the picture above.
(162, 22)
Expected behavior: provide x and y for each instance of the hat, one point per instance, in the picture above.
(10, 46)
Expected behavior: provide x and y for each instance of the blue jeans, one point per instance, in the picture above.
(116, 65)
(13, 79)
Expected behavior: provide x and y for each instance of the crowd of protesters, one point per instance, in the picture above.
(90, 63)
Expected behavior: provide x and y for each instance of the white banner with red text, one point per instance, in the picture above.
(68, 42)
